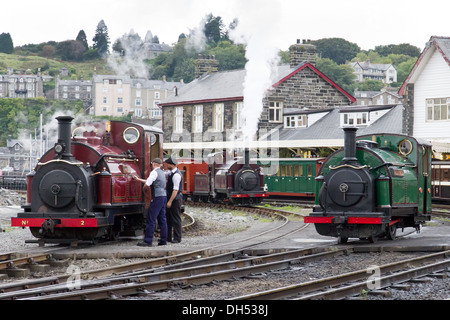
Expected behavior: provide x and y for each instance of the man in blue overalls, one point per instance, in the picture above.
(175, 197)
(157, 210)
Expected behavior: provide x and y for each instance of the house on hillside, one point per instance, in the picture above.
(368, 98)
(374, 71)
(426, 93)
(211, 105)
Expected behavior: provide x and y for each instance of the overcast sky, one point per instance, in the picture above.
(366, 23)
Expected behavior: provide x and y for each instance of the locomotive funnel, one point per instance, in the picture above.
(64, 137)
(247, 157)
(349, 145)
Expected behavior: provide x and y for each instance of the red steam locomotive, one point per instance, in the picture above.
(82, 188)
(223, 179)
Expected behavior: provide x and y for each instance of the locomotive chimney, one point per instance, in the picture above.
(247, 158)
(350, 145)
(64, 145)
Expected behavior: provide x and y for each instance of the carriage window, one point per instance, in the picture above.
(297, 171)
(309, 170)
(289, 172)
(445, 175)
(283, 170)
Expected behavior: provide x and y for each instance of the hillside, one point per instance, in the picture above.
(30, 64)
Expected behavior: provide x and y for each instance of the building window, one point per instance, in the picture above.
(120, 100)
(438, 109)
(237, 117)
(198, 118)
(138, 102)
(354, 119)
(119, 109)
(275, 111)
(178, 127)
(138, 112)
(218, 116)
(157, 94)
(296, 121)
(290, 122)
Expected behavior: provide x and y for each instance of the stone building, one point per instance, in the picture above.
(211, 105)
(383, 97)
(21, 86)
(73, 90)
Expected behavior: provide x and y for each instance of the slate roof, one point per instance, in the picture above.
(328, 127)
(229, 85)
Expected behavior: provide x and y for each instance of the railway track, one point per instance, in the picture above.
(358, 282)
(203, 256)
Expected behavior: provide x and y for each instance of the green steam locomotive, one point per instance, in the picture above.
(373, 186)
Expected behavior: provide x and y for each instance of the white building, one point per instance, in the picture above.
(372, 71)
(427, 95)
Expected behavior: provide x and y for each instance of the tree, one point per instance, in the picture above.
(214, 29)
(101, 39)
(230, 56)
(337, 49)
(6, 44)
(81, 37)
(341, 74)
(403, 48)
(71, 50)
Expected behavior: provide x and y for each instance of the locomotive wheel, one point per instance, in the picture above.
(391, 231)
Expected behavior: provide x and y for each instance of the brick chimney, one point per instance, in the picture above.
(302, 51)
(205, 64)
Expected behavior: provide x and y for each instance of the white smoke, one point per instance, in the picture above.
(130, 61)
(197, 39)
(258, 28)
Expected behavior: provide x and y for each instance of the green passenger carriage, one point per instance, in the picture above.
(290, 177)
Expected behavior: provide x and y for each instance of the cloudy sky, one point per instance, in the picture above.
(366, 23)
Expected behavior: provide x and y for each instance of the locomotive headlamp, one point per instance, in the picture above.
(59, 148)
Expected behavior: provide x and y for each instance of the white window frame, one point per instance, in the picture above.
(275, 111)
(198, 119)
(436, 107)
(355, 119)
(219, 111)
(178, 120)
(237, 117)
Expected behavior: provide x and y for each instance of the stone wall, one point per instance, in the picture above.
(408, 110)
(300, 52)
(305, 89)
(205, 64)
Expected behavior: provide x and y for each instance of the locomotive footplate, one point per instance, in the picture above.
(341, 218)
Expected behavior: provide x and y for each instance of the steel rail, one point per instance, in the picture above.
(151, 263)
(204, 274)
(310, 289)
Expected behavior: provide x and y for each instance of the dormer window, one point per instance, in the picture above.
(354, 119)
(296, 121)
